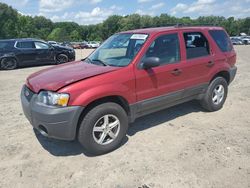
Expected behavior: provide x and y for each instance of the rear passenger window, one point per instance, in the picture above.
(26, 44)
(222, 40)
(166, 48)
(196, 45)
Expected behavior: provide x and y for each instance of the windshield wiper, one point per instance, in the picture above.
(99, 61)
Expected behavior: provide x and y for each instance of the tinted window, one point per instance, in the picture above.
(6, 44)
(41, 45)
(222, 40)
(166, 48)
(27, 44)
(196, 45)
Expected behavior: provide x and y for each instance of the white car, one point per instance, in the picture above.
(246, 40)
(53, 43)
(93, 44)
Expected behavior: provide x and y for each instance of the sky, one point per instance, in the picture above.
(87, 12)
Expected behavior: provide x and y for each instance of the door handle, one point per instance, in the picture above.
(176, 72)
(210, 64)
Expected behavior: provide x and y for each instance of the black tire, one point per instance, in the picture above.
(62, 58)
(8, 64)
(86, 135)
(207, 101)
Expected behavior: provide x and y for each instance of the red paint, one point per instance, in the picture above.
(86, 82)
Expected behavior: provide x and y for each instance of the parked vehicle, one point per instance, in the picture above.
(16, 53)
(83, 45)
(93, 44)
(246, 40)
(236, 41)
(95, 99)
(67, 44)
(53, 43)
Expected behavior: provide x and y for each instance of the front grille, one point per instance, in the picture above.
(28, 93)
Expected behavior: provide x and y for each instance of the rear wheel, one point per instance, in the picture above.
(62, 58)
(216, 95)
(103, 128)
(8, 64)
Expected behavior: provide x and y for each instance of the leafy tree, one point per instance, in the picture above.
(59, 34)
(14, 25)
(8, 20)
(75, 36)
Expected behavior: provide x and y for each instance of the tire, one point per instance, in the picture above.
(8, 64)
(215, 95)
(62, 58)
(95, 118)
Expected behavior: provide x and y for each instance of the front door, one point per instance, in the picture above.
(44, 53)
(158, 86)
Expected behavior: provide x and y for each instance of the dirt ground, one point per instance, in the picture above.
(179, 147)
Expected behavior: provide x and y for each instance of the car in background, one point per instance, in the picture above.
(53, 43)
(67, 44)
(93, 44)
(236, 41)
(76, 45)
(246, 40)
(84, 45)
(16, 53)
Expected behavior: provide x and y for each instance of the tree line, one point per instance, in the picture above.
(16, 25)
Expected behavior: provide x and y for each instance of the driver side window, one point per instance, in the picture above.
(166, 48)
(41, 45)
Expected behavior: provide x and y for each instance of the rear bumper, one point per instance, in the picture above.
(232, 72)
(54, 122)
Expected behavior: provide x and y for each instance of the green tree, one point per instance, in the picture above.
(8, 20)
(75, 36)
(59, 34)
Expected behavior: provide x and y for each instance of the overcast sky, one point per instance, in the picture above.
(95, 11)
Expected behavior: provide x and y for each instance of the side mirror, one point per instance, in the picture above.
(150, 62)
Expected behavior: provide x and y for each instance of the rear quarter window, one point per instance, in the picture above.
(222, 40)
(6, 44)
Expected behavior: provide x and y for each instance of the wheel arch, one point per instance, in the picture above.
(224, 74)
(114, 98)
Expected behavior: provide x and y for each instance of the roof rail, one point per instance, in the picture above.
(193, 25)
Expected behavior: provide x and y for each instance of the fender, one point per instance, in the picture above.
(102, 91)
(8, 55)
(221, 67)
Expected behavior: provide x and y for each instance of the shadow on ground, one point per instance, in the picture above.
(69, 148)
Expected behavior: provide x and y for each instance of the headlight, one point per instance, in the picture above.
(53, 98)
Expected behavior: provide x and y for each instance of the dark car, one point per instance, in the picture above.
(30, 52)
(94, 100)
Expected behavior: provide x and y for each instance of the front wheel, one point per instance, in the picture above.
(62, 58)
(216, 95)
(103, 128)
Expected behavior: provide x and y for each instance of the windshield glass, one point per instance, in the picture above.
(118, 50)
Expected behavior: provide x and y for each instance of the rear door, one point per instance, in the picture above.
(44, 53)
(198, 61)
(26, 53)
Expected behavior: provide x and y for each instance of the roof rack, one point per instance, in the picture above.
(193, 25)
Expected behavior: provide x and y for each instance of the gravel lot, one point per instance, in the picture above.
(179, 147)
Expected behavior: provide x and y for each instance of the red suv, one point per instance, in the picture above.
(131, 74)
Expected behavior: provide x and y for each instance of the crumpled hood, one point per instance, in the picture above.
(56, 77)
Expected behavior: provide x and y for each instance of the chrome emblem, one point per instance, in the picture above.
(26, 93)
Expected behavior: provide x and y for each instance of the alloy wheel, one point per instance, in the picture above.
(106, 129)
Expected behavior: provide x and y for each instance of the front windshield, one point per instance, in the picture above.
(118, 50)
